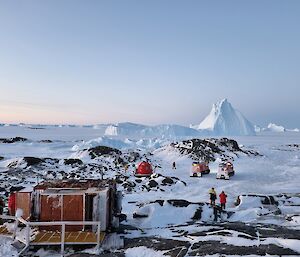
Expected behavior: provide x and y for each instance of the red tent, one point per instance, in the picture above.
(144, 169)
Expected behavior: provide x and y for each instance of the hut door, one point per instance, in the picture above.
(73, 210)
(51, 209)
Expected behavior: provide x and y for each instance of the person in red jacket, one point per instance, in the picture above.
(12, 204)
(223, 197)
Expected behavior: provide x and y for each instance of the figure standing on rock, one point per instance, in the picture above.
(223, 197)
(212, 196)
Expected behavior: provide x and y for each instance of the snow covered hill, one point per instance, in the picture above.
(224, 120)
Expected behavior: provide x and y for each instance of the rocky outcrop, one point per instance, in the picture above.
(103, 150)
(73, 161)
(12, 140)
(212, 148)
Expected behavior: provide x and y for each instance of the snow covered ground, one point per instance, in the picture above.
(177, 213)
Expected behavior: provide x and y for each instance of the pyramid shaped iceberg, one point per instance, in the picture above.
(224, 120)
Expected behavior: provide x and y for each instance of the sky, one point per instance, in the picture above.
(151, 62)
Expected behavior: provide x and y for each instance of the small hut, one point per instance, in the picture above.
(71, 200)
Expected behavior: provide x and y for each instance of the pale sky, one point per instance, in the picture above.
(85, 62)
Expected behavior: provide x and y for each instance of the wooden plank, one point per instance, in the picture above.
(78, 237)
(38, 236)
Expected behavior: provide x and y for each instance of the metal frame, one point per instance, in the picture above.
(63, 224)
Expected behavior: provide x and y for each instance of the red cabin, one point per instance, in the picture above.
(144, 170)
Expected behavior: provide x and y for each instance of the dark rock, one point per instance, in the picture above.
(167, 180)
(31, 161)
(137, 180)
(152, 183)
(122, 217)
(129, 184)
(103, 150)
(119, 180)
(207, 149)
(47, 141)
(160, 244)
(215, 247)
(160, 202)
(12, 140)
(1, 158)
(179, 202)
(73, 161)
(197, 214)
(294, 145)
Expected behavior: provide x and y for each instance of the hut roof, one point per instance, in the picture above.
(75, 184)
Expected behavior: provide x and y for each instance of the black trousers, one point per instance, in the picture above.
(223, 206)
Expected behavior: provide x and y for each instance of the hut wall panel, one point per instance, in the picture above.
(51, 207)
(73, 210)
(23, 201)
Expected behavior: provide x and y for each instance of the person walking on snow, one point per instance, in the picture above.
(223, 197)
(174, 166)
(212, 196)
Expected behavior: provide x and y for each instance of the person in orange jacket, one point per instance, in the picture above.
(12, 204)
(223, 197)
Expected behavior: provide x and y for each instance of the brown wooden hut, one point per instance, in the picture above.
(71, 200)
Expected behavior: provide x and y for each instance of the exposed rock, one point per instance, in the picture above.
(152, 183)
(160, 244)
(210, 149)
(167, 180)
(215, 247)
(129, 185)
(103, 150)
(46, 141)
(73, 161)
(197, 214)
(179, 203)
(12, 140)
(1, 158)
